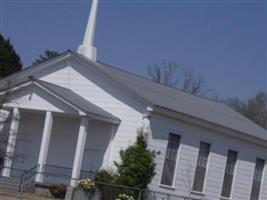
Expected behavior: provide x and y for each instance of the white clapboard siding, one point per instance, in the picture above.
(191, 136)
(113, 98)
(99, 90)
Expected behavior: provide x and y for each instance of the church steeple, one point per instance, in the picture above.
(87, 47)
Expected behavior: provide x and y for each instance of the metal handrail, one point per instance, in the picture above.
(58, 171)
(30, 173)
(64, 172)
(14, 169)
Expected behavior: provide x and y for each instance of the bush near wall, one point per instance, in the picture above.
(104, 177)
(136, 169)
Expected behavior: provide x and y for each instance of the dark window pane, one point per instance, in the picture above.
(258, 170)
(173, 142)
(170, 159)
(202, 161)
(255, 193)
(227, 185)
(169, 168)
(199, 179)
(256, 185)
(229, 173)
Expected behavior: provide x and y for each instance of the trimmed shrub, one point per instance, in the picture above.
(137, 166)
(105, 176)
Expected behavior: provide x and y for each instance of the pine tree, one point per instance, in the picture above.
(9, 60)
(48, 54)
(137, 166)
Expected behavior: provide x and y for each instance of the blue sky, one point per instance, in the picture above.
(225, 41)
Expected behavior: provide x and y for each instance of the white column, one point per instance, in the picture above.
(77, 164)
(3, 118)
(10, 149)
(44, 146)
(109, 159)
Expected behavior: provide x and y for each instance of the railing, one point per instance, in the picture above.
(20, 175)
(155, 195)
(64, 172)
(30, 173)
(52, 170)
(108, 191)
(15, 172)
(57, 171)
(87, 174)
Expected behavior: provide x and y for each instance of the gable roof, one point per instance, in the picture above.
(23, 75)
(71, 98)
(182, 102)
(78, 101)
(165, 97)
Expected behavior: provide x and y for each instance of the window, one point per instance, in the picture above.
(202, 161)
(170, 159)
(1, 160)
(256, 185)
(229, 173)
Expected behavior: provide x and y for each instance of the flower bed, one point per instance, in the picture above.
(124, 197)
(88, 185)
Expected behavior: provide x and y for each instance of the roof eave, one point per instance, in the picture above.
(84, 60)
(212, 126)
(15, 78)
(80, 110)
(106, 119)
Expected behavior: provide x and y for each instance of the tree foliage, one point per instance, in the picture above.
(48, 54)
(170, 74)
(137, 166)
(9, 60)
(255, 108)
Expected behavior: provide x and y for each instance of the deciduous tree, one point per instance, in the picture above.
(185, 79)
(255, 108)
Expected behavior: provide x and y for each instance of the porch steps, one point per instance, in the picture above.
(9, 183)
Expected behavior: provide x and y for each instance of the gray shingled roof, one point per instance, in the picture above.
(76, 100)
(166, 97)
(163, 96)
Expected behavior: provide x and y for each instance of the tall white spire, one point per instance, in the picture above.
(87, 47)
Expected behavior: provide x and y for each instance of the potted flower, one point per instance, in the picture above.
(88, 186)
(58, 190)
(124, 197)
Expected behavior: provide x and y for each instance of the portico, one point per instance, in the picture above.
(75, 116)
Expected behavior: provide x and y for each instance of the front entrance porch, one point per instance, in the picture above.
(68, 133)
(50, 141)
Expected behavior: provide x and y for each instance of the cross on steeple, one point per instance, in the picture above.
(87, 47)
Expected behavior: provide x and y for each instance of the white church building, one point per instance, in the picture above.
(76, 112)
